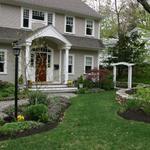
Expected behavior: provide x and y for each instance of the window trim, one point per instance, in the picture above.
(73, 31)
(93, 32)
(73, 64)
(22, 17)
(85, 56)
(5, 61)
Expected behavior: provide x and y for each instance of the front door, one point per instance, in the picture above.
(41, 67)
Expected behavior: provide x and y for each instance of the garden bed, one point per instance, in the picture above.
(136, 115)
(136, 104)
(41, 114)
(39, 129)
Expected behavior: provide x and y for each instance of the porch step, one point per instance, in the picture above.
(54, 88)
(48, 86)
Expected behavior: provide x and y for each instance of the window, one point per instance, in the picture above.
(32, 60)
(89, 27)
(69, 24)
(71, 64)
(50, 19)
(3, 62)
(88, 63)
(26, 18)
(49, 61)
(38, 15)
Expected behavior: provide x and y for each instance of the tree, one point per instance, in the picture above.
(129, 48)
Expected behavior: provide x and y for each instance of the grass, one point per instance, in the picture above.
(91, 123)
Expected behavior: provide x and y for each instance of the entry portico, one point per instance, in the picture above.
(42, 54)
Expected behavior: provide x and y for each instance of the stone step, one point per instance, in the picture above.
(56, 90)
(49, 86)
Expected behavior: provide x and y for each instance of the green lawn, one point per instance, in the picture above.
(91, 123)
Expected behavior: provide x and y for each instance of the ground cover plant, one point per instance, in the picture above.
(13, 128)
(90, 123)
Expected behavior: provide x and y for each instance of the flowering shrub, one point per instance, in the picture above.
(96, 75)
(98, 78)
(20, 118)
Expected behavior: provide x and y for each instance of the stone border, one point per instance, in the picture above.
(122, 96)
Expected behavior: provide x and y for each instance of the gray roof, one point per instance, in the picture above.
(66, 6)
(8, 35)
(84, 42)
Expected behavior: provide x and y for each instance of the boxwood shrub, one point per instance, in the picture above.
(38, 112)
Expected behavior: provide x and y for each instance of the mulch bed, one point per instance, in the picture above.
(136, 115)
(40, 129)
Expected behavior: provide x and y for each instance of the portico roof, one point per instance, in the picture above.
(48, 31)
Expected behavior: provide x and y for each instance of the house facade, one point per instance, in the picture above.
(59, 39)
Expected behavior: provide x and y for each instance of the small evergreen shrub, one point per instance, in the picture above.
(38, 112)
(38, 98)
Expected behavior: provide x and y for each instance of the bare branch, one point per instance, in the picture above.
(145, 4)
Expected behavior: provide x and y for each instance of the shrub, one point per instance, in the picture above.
(132, 104)
(101, 78)
(38, 98)
(6, 90)
(141, 100)
(2, 122)
(81, 91)
(15, 127)
(38, 112)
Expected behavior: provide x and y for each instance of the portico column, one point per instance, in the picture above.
(66, 64)
(27, 60)
(129, 77)
(114, 75)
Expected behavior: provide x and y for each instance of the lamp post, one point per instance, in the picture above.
(16, 50)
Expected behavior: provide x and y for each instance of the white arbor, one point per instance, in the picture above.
(129, 65)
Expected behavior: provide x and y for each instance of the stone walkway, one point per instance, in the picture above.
(6, 104)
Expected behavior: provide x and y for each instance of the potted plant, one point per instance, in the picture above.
(80, 82)
(70, 83)
(29, 83)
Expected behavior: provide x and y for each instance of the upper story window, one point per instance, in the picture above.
(69, 27)
(38, 15)
(3, 62)
(26, 15)
(89, 27)
(30, 16)
(50, 19)
(88, 63)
